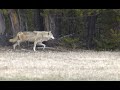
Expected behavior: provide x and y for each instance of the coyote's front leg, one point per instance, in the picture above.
(34, 47)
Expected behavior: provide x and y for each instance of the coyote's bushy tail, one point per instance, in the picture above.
(15, 38)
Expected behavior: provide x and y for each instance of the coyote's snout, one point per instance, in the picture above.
(35, 36)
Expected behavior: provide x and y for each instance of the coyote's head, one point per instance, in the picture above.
(50, 35)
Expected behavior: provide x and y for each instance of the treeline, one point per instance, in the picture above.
(97, 29)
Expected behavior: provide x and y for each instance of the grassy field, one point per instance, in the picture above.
(83, 65)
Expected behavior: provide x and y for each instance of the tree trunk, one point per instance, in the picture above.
(42, 26)
(14, 21)
(22, 19)
(46, 23)
(91, 31)
(3, 37)
(38, 20)
(52, 26)
(2, 24)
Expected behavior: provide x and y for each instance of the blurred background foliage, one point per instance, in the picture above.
(97, 29)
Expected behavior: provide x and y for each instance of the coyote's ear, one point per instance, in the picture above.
(48, 33)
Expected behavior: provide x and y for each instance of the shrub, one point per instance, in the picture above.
(110, 42)
(70, 42)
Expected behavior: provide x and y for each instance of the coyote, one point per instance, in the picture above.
(32, 36)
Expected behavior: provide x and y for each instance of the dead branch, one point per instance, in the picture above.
(65, 36)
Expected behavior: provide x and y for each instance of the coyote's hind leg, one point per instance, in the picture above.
(17, 43)
(42, 45)
(14, 46)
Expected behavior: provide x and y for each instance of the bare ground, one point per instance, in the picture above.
(48, 65)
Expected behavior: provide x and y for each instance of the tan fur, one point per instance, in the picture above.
(35, 36)
(15, 38)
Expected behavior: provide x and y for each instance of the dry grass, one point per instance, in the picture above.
(58, 65)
